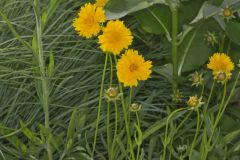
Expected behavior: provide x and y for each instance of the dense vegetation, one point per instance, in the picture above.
(50, 80)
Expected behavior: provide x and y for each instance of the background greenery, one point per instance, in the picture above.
(74, 66)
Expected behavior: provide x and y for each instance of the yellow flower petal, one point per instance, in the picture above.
(221, 63)
(115, 37)
(87, 24)
(101, 3)
(132, 67)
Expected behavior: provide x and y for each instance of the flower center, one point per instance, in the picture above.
(133, 67)
(227, 12)
(221, 76)
(89, 21)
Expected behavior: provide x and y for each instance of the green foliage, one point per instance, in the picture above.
(46, 68)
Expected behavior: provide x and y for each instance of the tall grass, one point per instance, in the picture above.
(49, 91)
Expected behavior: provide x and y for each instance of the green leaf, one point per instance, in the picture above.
(72, 125)
(233, 30)
(194, 51)
(29, 134)
(155, 19)
(231, 136)
(51, 65)
(116, 9)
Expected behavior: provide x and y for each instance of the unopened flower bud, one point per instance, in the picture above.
(135, 107)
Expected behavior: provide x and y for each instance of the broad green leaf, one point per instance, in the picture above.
(119, 8)
(194, 51)
(155, 19)
(233, 30)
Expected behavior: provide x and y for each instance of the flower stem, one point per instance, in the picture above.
(109, 112)
(138, 146)
(166, 141)
(174, 47)
(99, 104)
(196, 134)
(126, 119)
(116, 128)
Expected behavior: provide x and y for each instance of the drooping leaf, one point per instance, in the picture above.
(119, 8)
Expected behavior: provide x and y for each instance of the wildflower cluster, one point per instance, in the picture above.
(114, 38)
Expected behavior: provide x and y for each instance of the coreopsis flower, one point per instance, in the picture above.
(196, 79)
(132, 67)
(87, 24)
(101, 3)
(227, 13)
(116, 37)
(222, 66)
(194, 102)
(135, 107)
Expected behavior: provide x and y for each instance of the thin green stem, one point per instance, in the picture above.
(174, 48)
(109, 112)
(99, 104)
(203, 87)
(108, 131)
(207, 104)
(216, 121)
(196, 134)
(44, 78)
(138, 146)
(126, 119)
(116, 128)
(219, 113)
(166, 141)
(111, 70)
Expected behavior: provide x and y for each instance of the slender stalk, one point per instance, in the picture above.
(111, 70)
(216, 120)
(174, 48)
(138, 146)
(108, 131)
(99, 104)
(207, 104)
(116, 128)
(109, 112)
(166, 132)
(196, 134)
(219, 113)
(44, 79)
(126, 119)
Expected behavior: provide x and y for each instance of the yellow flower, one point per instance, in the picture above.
(101, 3)
(132, 67)
(222, 66)
(87, 24)
(115, 37)
(193, 101)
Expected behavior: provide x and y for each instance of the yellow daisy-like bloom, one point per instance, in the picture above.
(116, 37)
(101, 3)
(87, 24)
(132, 67)
(193, 101)
(222, 66)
